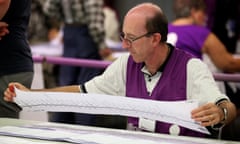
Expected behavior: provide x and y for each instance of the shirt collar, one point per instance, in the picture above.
(162, 67)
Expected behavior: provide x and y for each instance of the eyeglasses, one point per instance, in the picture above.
(129, 41)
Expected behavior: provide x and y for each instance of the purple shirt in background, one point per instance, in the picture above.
(188, 37)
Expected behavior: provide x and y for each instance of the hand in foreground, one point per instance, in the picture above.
(9, 93)
(3, 29)
(208, 114)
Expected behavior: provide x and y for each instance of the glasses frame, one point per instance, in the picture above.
(130, 41)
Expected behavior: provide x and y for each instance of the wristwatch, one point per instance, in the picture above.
(221, 124)
(225, 112)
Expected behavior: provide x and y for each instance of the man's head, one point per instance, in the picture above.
(145, 26)
(153, 17)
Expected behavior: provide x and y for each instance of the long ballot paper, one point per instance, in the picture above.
(176, 112)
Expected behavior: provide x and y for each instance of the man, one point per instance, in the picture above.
(156, 70)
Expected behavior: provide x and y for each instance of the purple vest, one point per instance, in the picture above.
(170, 87)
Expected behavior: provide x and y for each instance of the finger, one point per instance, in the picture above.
(8, 96)
(11, 88)
(3, 33)
(3, 24)
(210, 122)
(206, 123)
(203, 110)
(215, 119)
(207, 120)
(199, 109)
(6, 31)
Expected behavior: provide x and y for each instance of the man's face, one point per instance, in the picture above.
(135, 37)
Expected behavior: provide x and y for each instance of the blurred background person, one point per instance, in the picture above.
(83, 37)
(38, 24)
(224, 21)
(190, 33)
(111, 25)
(45, 38)
(198, 39)
(41, 28)
(16, 62)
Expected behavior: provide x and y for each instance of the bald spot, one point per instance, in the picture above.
(145, 9)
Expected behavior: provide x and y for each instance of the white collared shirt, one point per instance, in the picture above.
(200, 83)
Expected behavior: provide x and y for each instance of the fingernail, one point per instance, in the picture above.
(11, 88)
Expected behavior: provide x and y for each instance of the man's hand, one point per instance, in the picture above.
(3, 29)
(208, 114)
(9, 93)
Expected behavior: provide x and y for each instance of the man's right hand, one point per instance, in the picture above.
(9, 93)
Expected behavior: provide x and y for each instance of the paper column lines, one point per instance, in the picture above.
(98, 110)
(108, 104)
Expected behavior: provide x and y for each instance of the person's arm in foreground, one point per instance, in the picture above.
(4, 5)
(9, 93)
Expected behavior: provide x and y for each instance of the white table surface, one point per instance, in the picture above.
(148, 136)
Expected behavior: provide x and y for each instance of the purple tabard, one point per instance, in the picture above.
(170, 87)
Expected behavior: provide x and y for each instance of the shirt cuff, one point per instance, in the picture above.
(83, 88)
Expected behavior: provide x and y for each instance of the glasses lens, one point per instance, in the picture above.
(125, 40)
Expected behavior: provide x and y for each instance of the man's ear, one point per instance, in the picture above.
(156, 38)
